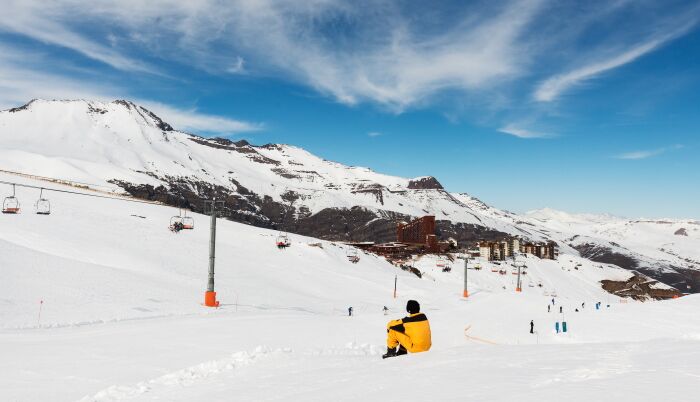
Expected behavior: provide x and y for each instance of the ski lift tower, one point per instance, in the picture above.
(210, 295)
(519, 265)
(466, 262)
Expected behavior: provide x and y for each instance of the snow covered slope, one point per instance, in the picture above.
(121, 318)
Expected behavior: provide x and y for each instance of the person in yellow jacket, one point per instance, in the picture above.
(410, 334)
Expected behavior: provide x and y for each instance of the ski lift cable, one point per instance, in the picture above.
(78, 193)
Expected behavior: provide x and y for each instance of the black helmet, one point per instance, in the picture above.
(412, 307)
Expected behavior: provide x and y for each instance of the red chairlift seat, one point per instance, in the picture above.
(10, 205)
(187, 222)
(282, 241)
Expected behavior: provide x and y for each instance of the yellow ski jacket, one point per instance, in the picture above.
(413, 332)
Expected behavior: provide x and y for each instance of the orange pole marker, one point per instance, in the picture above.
(210, 299)
(465, 293)
(518, 290)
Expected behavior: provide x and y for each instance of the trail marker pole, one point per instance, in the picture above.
(465, 294)
(210, 295)
(396, 278)
(38, 320)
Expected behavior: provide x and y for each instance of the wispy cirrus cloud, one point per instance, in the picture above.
(352, 53)
(520, 132)
(374, 134)
(49, 22)
(19, 83)
(644, 154)
(377, 51)
(554, 86)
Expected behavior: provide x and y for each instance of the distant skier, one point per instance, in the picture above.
(350, 311)
(552, 301)
(583, 305)
(410, 334)
(549, 308)
(576, 310)
(385, 310)
(561, 309)
(532, 326)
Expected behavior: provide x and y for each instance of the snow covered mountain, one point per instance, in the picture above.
(668, 249)
(122, 147)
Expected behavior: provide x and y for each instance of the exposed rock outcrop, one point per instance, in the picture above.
(424, 183)
(639, 288)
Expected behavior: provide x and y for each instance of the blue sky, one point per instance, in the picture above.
(580, 106)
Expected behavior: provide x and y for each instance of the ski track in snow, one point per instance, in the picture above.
(185, 377)
(205, 371)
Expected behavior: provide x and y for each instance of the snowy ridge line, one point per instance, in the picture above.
(112, 196)
(185, 377)
(56, 180)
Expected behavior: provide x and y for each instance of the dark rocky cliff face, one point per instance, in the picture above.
(340, 224)
(683, 279)
(425, 183)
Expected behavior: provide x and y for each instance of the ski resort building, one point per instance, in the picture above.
(419, 231)
(548, 250)
(503, 249)
(499, 250)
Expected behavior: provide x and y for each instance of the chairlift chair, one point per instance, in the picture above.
(282, 241)
(187, 221)
(176, 223)
(10, 205)
(352, 255)
(42, 206)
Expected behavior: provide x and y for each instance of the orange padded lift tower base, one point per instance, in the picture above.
(210, 299)
(465, 293)
(518, 290)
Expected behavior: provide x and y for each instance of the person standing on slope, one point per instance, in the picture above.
(410, 334)
(532, 326)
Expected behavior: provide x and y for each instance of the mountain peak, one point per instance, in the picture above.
(424, 183)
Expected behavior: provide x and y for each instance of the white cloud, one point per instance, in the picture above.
(191, 120)
(648, 153)
(19, 83)
(523, 133)
(553, 87)
(377, 52)
(390, 59)
(238, 66)
(42, 21)
(374, 134)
